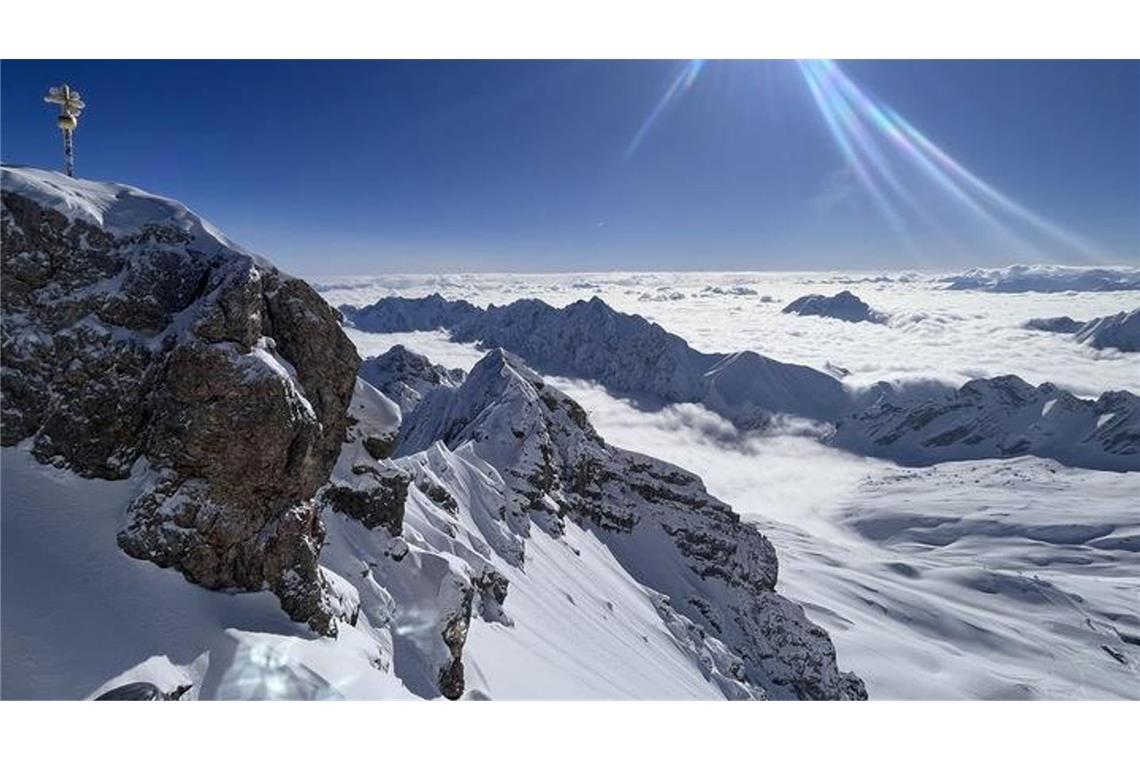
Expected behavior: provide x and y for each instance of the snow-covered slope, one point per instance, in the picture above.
(616, 577)
(844, 305)
(80, 616)
(1001, 417)
(714, 577)
(624, 352)
(990, 579)
(215, 405)
(1042, 278)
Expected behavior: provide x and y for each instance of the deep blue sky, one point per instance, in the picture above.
(362, 167)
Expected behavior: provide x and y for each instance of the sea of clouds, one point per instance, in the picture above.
(934, 333)
(995, 615)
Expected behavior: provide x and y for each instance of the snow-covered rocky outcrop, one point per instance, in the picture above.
(1043, 278)
(138, 336)
(1062, 325)
(1120, 331)
(1001, 417)
(405, 376)
(624, 352)
(844, 305)
(710, 577)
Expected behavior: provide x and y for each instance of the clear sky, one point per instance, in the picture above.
(361, 167)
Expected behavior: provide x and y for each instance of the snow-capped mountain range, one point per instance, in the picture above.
(1040, 278)
(624, 352)
(998, 417)
(169, 392)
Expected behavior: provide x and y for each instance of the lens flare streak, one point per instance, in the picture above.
(859, 124)
(682, 81)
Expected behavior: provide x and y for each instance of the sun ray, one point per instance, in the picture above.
(684, 78)
(859, 124)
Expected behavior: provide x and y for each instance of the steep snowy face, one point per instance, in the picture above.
(844, 305)
(717, 575)
(626, 353)
(134, 331)
(1001, 417)
(1120, 331)
(406, 377)
(1041, 278)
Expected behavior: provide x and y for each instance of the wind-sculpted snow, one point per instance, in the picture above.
(1001, 417)
(1041, 278)
(716, 574)
(624, 352)
(844, 305)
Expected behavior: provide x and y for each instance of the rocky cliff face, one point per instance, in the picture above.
(715, 575)
(137, 336)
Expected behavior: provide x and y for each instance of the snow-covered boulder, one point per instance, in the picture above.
(997, 418)
(844, 305)
(136, 334)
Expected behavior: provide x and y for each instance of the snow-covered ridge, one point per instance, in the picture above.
(406, 377)
(1120, 331)
(627, 354)
(116, 209)
(624, 352)
(1044, 278)
(713, 577)
(997, 418)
